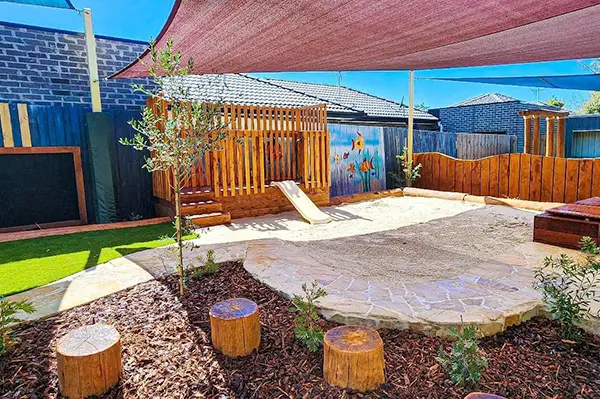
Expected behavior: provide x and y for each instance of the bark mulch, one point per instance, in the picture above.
(167, 352)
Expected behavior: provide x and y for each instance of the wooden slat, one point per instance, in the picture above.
(271, 155)
(24, 125)
(435, 170)
(255, 161)
(558, 184)
(572, 180)
(240, 158)
(596, 178)
(536, 136)
(560, 138)
(261, 159)
(494, 176)
(295, 155)
(324, 159)
(535, 181)
(316, 159)
(230, 155)
(549, 137)
(459, 176)
(485, 176)
(547, 178)
(476, 177)
(514, 175)
(451, 174)
(248, 177)
(6, 126)
(527, 135)
(443, 185)
(467, 183)
(305, 159)
(503, 175)
(584, 185)
(524, 178)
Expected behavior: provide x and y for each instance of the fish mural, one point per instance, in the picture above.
(358, 142)
(361, 167)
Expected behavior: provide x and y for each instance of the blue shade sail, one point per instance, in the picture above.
(44, 3)
(568, 82)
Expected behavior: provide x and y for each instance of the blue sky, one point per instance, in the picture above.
(143, 19)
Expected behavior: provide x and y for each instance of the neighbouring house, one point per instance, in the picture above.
(344, 105)
(490, 113)
(49, 67)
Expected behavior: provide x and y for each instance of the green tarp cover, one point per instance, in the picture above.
(99, 130)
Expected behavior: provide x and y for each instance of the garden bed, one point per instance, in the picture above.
(167, 352)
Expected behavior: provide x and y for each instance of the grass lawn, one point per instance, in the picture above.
(27, 264)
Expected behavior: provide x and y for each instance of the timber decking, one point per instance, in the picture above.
(566, 225)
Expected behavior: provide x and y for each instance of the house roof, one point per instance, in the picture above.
(249, 90)
(497, 98)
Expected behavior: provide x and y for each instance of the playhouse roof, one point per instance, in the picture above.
(249, 90)
(324, 35)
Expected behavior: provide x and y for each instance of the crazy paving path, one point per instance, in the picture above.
(493, 296)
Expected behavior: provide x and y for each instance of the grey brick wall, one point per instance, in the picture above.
(43, 66)
(500, 117)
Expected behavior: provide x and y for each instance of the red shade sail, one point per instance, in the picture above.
(224, 36)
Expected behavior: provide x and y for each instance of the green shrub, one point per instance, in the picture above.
(208, 267)
(464, 364)
(409, 172)
(569, 286)
(307, 331)
(8, 309)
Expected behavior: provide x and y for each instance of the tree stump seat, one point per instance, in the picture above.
(89, 361)
(235, 327)
(353, 358)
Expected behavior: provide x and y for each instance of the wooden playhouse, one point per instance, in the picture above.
(263, 145)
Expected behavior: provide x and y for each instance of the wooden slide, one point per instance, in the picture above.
(302, 203)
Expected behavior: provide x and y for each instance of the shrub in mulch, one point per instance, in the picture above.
(167, 352)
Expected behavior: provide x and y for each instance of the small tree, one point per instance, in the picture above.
(410, 172)
(177, 132)
(569, 287)
(555, 102)
(8, 310)
(592, 105)
(306, 330)
(465, 363)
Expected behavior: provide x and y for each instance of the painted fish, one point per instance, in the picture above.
(346, 155)
(336, 158)
(366, 166)
(358, 143)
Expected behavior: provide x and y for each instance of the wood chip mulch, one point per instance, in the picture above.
(167, 352)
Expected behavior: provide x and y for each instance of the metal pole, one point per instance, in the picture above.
(90, 43)
(411, 106)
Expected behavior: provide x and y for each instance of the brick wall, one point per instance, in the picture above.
(44, 66)
(500, 117)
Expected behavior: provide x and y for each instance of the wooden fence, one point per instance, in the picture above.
(263, 144)
(523, 176)
(458, 145)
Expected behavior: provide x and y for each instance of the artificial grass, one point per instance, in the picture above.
(30, 263)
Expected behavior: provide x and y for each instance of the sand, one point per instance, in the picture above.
(396, 239)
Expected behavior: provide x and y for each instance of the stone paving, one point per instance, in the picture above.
(493, 295)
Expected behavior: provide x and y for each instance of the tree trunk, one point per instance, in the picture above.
(353, 358)
(235, 327)
(178, 229)
(88, 361)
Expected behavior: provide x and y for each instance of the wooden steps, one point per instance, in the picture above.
(210, 219)
(201, 207)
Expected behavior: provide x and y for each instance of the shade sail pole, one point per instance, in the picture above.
(411, 105)
(90, 43)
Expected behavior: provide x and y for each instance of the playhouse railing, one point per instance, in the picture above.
(263, 144)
